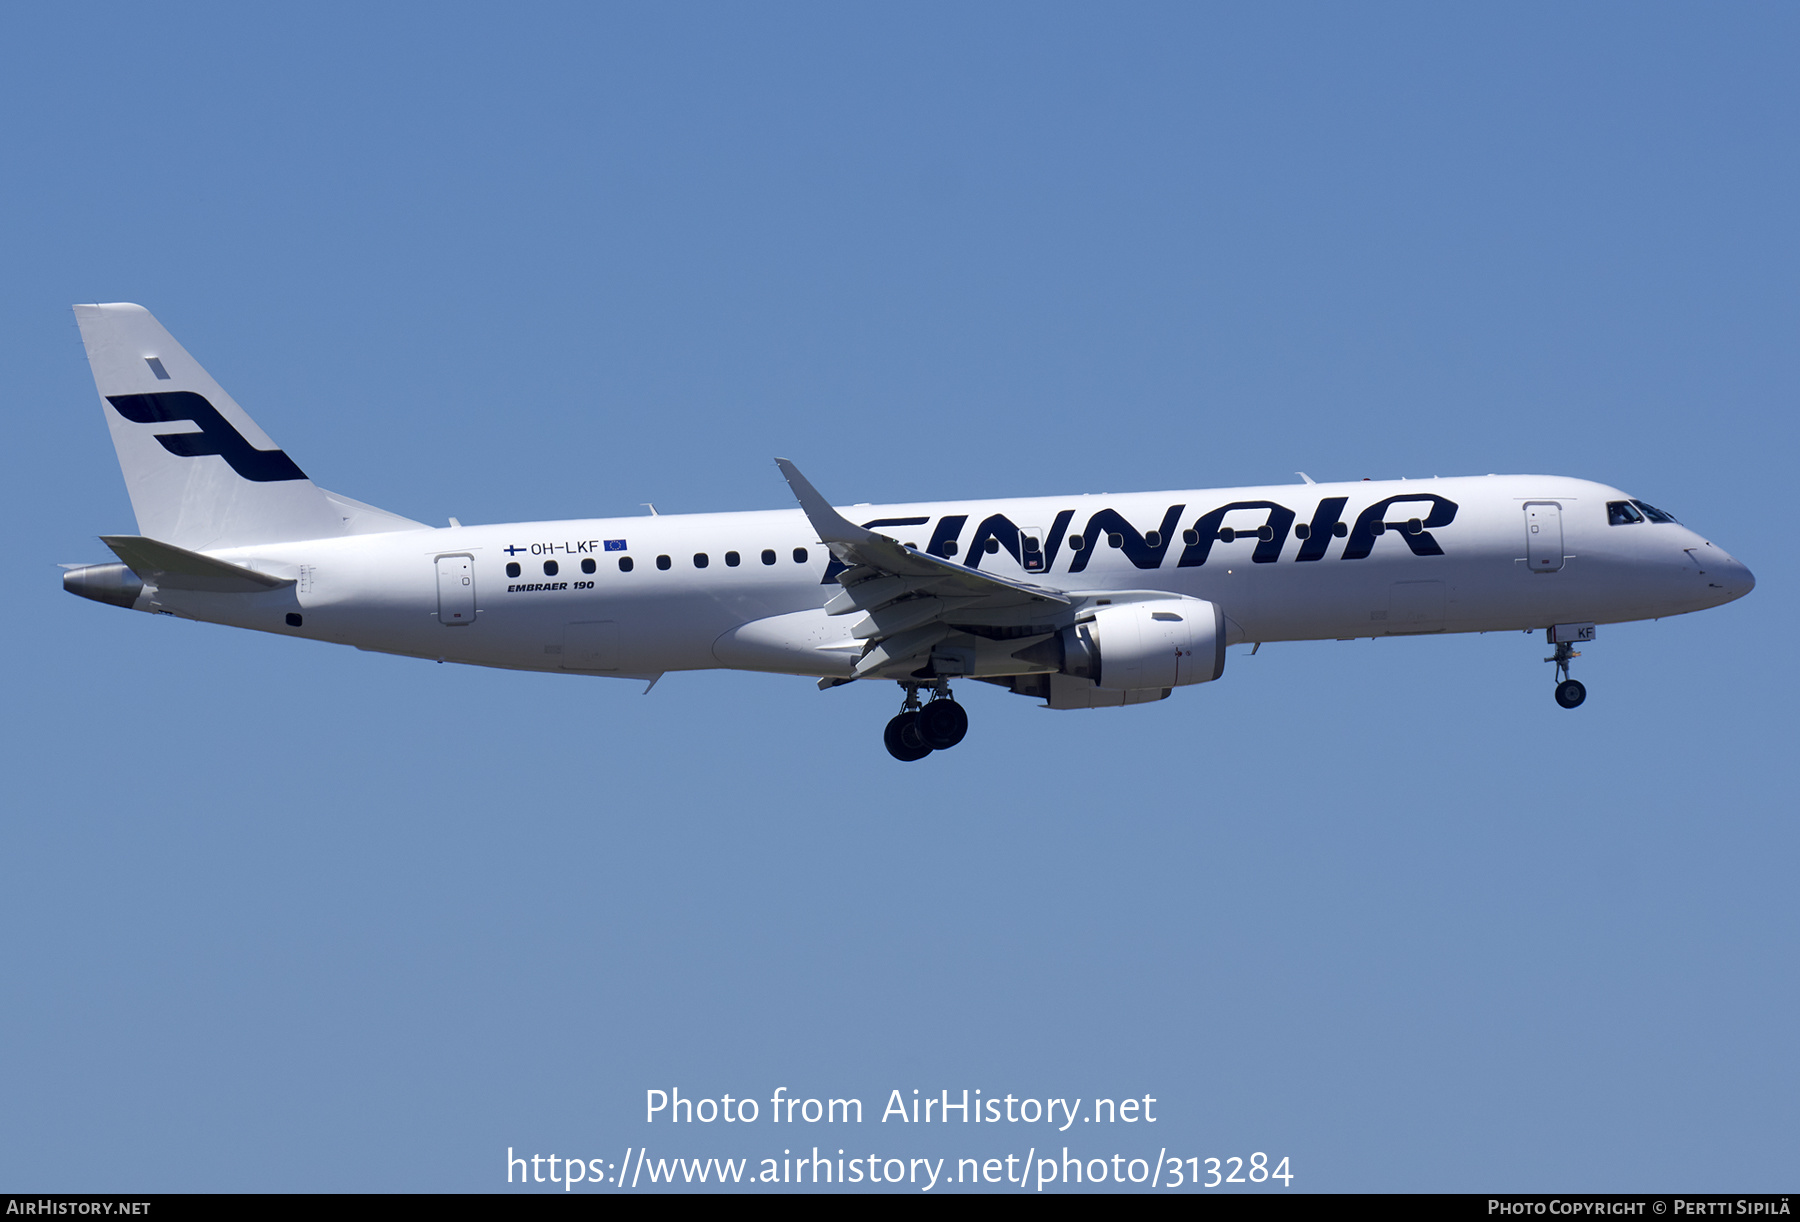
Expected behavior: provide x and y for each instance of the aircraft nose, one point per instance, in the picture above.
(1726, 577)
(1737, 579)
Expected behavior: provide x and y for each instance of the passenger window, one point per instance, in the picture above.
(768, 556)
(662, 562)
(1301, 531)
(625, 565)
(732, 559)
(513, 569)
(1115, 540)
(799, 555)
(1620, 513)
(700, 560)
(1342, 529)
(588, 566)
(1153, 539)
(549, 568)
(993, 545)
(1655, 514)
(1076, 543)
(950, 547)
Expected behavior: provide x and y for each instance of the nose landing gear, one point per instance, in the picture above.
(1569, 692)
(918, 730)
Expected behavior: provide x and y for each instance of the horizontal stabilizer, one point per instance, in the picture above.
(175, 568)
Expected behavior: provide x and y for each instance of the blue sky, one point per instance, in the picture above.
(279, 915)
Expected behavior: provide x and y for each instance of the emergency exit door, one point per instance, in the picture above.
(1543, 536)
(1031, 549)
(456, 590)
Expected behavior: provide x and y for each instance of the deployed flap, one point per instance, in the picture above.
(201, 474)
(174, 568)
(884, 572)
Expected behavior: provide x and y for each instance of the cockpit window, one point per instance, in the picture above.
(1653, 513)
(1620, 513)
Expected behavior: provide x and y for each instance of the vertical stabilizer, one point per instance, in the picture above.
(201, 475)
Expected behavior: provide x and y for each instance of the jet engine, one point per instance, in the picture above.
(1162, 643)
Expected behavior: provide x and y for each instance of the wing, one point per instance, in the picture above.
(908, 597)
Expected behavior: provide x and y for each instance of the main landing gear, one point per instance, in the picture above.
(1569, 692)
(919, 730)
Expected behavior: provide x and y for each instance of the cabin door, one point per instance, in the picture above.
(456, 590)
(1543, 536)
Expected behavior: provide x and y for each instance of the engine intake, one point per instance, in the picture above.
(1166, 642)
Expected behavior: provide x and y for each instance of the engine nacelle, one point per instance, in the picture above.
(1167, 642)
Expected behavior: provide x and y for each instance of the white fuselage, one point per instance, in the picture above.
(1386, 570)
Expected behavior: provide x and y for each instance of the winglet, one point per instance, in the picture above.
(833, 527)
(863, 549)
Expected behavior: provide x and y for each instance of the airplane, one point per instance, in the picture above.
(1082, 602)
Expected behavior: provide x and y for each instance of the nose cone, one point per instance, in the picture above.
(1735, 578)
(1726, 578)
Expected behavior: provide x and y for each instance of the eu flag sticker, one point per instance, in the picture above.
(615, 545)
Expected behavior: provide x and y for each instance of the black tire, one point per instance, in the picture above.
(942, 724)
(1570, 693)
(902, 739)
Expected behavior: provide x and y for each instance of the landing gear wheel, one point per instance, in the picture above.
(902, 738)
(1569, 693)
(942, 724)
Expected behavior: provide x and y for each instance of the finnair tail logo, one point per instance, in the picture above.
(216, 436)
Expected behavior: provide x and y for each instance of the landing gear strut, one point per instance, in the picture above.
(1569, 692)
(918, 730)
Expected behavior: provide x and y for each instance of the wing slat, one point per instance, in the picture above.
(884, 571)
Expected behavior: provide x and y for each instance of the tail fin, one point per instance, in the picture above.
(201, 475)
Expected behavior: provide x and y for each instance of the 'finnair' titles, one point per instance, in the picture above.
(1079, 601)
